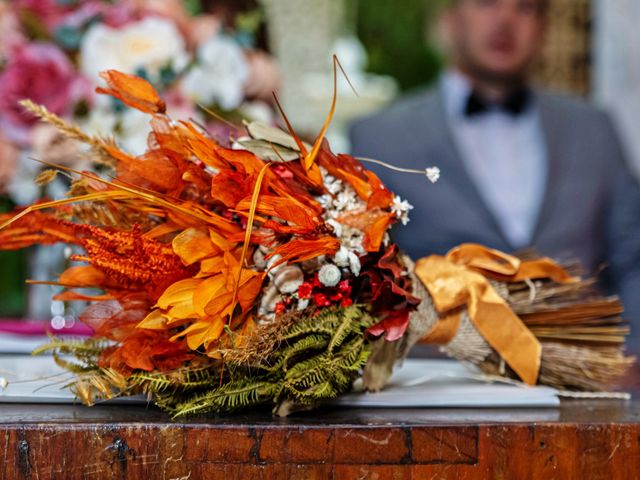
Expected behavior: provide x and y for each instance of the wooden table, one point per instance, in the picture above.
(581, 440)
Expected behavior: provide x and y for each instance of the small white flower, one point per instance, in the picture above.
(344, 200)
(303, 303)
(337, 227)
(324, 201)
(401, 209)
(386, 239)
(433, 174)
(354, 264)
(329, 275)
(335, 187)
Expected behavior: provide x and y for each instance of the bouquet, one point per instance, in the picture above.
(264, 274)
(225, 278)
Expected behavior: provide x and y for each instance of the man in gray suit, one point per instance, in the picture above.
(520, 168)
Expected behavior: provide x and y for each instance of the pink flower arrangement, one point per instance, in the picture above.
(43, 73)
(50, 52)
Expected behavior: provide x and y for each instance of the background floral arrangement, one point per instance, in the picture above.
(225, 279)
(52, 52)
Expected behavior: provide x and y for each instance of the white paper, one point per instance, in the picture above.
(419, 383)
(13, 343)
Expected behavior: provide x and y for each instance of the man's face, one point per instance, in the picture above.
(495, 39)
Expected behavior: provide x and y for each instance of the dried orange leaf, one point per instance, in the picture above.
(192, 245)
(134, 91)
(178, 292)
(82, 276)
(154, 321)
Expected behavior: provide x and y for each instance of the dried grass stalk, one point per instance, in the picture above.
(72, 131)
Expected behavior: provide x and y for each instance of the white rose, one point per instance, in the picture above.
(220, 75)
(150, 44)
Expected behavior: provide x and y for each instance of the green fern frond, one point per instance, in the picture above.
(228, 398)
(316, 358)
(73, 367)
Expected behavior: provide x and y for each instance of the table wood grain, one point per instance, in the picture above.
(581, 440)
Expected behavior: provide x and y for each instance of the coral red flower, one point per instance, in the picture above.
(321, 300)
(305, 290)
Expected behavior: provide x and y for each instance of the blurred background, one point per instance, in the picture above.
(228, 56)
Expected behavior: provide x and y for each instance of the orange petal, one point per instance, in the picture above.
(381, 196)
(374, 233)
(133, 91)
(192, 245)
(202, 333)
(209, 290)
(299, 250)
(179, 292)
(154, 321)
(82, 276)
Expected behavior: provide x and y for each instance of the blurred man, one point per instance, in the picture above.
(520, 168)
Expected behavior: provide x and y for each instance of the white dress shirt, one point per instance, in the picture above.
(504, 155)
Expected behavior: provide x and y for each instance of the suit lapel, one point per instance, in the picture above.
(443, 151)
(551, 120)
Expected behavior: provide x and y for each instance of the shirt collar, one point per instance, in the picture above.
(455, 89)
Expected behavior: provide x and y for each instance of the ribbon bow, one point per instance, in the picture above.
(460, 278)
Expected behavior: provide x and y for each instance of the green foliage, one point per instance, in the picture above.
(86, 351)
(317, 359)
(13, 291)
(396, 37)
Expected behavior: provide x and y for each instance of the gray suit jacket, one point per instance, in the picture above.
(591, 207)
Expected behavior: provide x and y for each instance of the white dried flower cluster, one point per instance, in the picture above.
(341, 199)
(346, 258)
(433, 174)
(401, 209)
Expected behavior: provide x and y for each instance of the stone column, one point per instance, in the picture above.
(617, 68)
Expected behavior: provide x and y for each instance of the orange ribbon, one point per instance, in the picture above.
(461, 279)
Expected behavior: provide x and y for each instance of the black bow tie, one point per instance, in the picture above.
(515, 104)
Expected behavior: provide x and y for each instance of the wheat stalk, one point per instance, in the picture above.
(73, 131)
